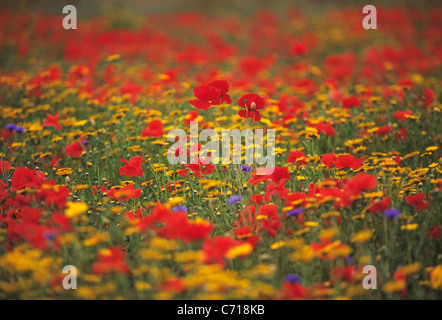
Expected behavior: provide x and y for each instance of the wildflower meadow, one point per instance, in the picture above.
(348, 205)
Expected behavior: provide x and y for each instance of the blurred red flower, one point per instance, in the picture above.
(52, 121)
(4, 166)
(111, 260)
(348, 161)
(154, 129)
(435, 232)
(214, 249)
(75, 150)
(417, 201)
(329, 159)
(125, 193)
(351, 102)
(133, 167)
(297, 157)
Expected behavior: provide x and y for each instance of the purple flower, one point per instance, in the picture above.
(85, 143)
(10, 126)
(294, 212)
(51, 235)
(392, 213)
(19, 129)
(293, 278)
(350, 260)
(180, 208)
(245, 168)
(234, 199)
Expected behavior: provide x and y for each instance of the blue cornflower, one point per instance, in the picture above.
(19, 129)
(294, 212)
(234, 199)
(50, 235)
(10, 126)
(293, 278)
(392, 213)
(179, 208)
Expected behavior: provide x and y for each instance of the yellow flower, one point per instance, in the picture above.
(113, 57)
(173, 202)
(142, 285)
(432, 148)
(79, 187)
(328, 233)
(98, 237)
(436, 277)
(277, 245)
(362, 236)
(410, 226)
(150, 254)
(311, 224)
(411, 268)
(163, 244)
(394, 286)
(241, 250)
(75, 208)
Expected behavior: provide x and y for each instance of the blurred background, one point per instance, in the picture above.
(90, 8)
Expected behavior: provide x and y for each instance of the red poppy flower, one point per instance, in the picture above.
(199, 170)
(214, 93)
(293, 291)
(327, 128)
(75, 150)
(299, 49)
(343, 272)
(137, 216)
(125, 193)
(194, 230)
(133, 167)
(175, 285)
(52, 121)
(154, 129)
(428, 97)
(53, 195)
(277, 174)
(4, 166)
(348, 161)
(111, 260)
(271, 224)
(329, 159)
(380, 205)
(176, 225)
(243, 232)
(402, 134)
(23, 177)
(296, 157)
(251, 102)
(62, 221)
(351, 102)
(383, 130)
(215, 249)
(417, 201)
(278, 189)
(361, 181)
(191, 116)
(402, 115)
(354, 187)
(435, 232)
